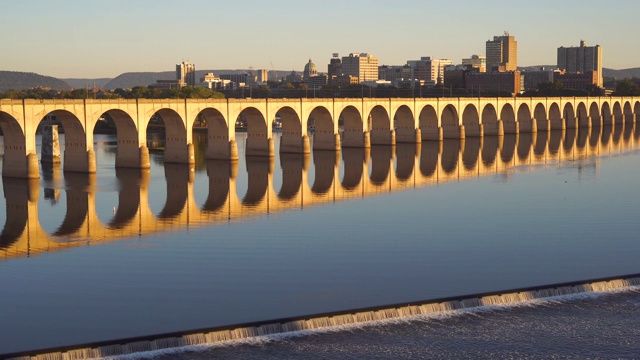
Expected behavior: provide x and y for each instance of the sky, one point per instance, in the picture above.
(94, 39)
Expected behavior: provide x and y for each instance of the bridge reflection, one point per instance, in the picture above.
(337, 175)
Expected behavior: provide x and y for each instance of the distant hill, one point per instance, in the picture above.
(82, 83)
(621, 74)
(16, 80)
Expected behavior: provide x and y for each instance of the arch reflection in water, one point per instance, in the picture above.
(337, 175)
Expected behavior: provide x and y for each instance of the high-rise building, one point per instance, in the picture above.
(334, 68)
(429, 70)
(477, 62)
(186, 74)
(502, 53)
(364, 66)
(581, 59)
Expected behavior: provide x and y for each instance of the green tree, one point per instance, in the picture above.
(627, 87)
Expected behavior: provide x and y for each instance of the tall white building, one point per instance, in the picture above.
(364, 66)
(429, 70)
(581, 59)
(186, 74)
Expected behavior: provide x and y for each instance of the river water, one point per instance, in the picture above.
(128, 253)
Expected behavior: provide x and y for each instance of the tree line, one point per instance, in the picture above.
(625, 87)
(138, 92)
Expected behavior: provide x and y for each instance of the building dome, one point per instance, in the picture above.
(310, 70)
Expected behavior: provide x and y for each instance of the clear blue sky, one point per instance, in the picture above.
(91, 39)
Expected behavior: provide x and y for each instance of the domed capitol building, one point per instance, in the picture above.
(310, 70)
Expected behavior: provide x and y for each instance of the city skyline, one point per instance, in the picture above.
(73, 39)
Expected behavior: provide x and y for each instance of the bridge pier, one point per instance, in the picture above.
(81, 162)
(435, 135)
(177, 152)
(453, 132)
(221, 150)
(473, 130)
(418, 138)
(133, 158)
(596, 121)
(50, 151)
(259, 146)
(355, 139)
(326, 140)
(295, 144)
(20, 166)
(571, 123)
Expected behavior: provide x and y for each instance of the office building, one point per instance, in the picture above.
(582, 59)
(576, 81)
(428, 70)
(364, 66)
(502, 53)
(495, 83)
(335, 66)
(186, 74)
(477, 62)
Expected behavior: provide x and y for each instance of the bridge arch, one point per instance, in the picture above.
(259, 141)
(569, 116)
(525, 141)
(617, 113)
(259, 170)
(405, 126)
(470, 153)
(77, 157)
(429, 158)
(292, 165)
(167, 126)
(450, 155)
(219, 144)
(636, 109)
(524, 119)
(555, 117)
(490, 146)
(353, 134)
(405, 160)
(540, 116)
(450, 123)
(380, 164)
(131, 185)
(490, 123)
(380, 127)
(471, 121)
(352, 169)
(594, 114)
(325, 163)
(428, 123)
(322, 126)
(129, 152)
(582, 117)
(508, 118)
(76, 214)
(15, 149)
(291, 139)
(605, 111)
(628, 112)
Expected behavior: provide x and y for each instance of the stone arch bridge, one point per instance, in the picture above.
(366, 172)
(335, 123)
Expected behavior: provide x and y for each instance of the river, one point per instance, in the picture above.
(129, 253)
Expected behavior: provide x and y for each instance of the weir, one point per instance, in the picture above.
(319, 321)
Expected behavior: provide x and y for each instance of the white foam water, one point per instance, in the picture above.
(201, 342)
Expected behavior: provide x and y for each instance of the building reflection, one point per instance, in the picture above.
(350, 173)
